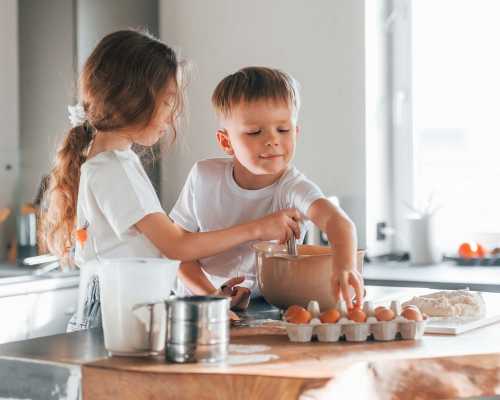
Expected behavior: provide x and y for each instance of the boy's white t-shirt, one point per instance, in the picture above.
(211, 199)
(114, 194)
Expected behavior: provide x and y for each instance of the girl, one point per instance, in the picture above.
(131, 90)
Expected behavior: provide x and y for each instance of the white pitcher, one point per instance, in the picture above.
(124, 283)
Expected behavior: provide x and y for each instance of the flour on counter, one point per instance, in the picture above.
(452, 303)
(247, 354)
(237, 359)
(248, 349)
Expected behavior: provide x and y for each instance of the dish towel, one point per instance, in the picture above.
(91, 316)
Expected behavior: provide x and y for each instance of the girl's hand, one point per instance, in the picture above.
(342, 279)
(240, 296)
(281, 225)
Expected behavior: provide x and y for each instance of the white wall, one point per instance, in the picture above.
(55, 37)
(97, 18)
(379, 197)
(9, 115)
(47, 65)
(320, 43)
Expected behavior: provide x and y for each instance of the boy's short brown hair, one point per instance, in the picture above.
(253, 84)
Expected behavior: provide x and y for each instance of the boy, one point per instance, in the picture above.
(257, 109)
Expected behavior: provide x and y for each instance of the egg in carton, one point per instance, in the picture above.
(412, 323)
(388, 323)
(384, 326)
(298, 324)
(356, 325)
(304, 324)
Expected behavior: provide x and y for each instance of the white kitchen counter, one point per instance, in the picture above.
(34, 305)
(445, 275)
(15, 280)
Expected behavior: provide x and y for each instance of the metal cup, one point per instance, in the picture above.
(197, 327)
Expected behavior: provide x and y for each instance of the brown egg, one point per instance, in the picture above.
(356, 314)
(412, 313)
(330, 317)
(377, 309)
(297, 315)
(384, 314)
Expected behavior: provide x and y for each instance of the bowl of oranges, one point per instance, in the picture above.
(475, 253)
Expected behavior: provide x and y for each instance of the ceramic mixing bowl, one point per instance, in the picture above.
(286, 280)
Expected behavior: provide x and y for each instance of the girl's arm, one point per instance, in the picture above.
(196, 281)
(341, 233)
(178, 244)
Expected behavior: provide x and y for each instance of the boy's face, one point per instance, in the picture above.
(261, 135)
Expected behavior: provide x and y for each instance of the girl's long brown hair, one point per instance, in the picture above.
(119, 86)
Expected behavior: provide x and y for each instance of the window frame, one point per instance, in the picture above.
(399, 64)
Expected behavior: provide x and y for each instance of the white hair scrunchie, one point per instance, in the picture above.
(76, 115)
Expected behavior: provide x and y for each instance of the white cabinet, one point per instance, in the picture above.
(51, 312)
(36, 314)
(15, 312)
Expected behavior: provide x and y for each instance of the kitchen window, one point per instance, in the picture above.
(444, 74)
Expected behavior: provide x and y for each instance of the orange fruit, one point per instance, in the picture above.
(330, 317)
(465, 250)
(472, 250)
(481, 251)
(297, 315)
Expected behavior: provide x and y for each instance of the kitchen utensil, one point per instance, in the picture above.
(197, 327)
(26, 236)
(125, 283)
(286, 280)
(291, 246)
(41, 259)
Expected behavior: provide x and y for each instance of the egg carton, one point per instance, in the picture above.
(345, 329)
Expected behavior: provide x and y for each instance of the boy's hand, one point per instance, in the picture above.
(240, 296)
(281, 225)
(342, 279)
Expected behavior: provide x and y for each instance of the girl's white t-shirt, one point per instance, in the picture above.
(211, 199)
(114, 194)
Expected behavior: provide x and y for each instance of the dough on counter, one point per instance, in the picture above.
(450, 303)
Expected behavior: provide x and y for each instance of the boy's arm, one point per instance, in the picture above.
(341, 233)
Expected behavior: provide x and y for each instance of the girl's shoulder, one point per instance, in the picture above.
(108, 164)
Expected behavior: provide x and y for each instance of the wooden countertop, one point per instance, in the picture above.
(434, 367)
